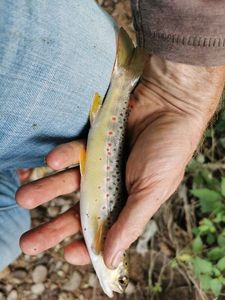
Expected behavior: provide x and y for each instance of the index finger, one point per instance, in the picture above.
(65, 155)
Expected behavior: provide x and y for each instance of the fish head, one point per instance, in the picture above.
(113, 280)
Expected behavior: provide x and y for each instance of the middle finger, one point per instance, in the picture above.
(40, 191)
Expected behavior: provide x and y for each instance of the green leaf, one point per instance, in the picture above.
(216, 272)
(221, 240)
(223, 186)
(197, 245)
(216, 286)
(184, 257)
(201, 266)
(209, 199)
(205, 282)
(221, 264)
(215, 254)
(210, 238)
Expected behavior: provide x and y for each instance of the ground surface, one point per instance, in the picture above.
(48, 277)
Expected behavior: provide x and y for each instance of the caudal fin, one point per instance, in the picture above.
(129, 57)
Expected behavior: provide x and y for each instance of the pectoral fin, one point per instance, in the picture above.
(82, 161)
(95, 107)
(98, 242)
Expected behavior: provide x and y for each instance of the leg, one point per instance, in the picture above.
(54, 56)
(13, 219)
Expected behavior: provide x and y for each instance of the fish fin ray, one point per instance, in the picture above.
(82, 160)
(97, 245)
(95, 107)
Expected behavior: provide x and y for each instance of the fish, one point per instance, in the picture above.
(102, 163)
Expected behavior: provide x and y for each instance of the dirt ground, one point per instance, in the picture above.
(48, 277)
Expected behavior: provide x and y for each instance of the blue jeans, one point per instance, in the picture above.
(54, 55)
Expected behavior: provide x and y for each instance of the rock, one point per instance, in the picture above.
(2, 296)
(8, 287)
(4, 273)
(39, 274)
(20, 273)
(61, 274)
(53, 211)
(73, 283)
(130, 289)
(92, 280)
(12, 295)
(65, 267)
(38, 288)
(66, 296)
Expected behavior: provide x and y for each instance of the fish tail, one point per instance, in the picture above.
(129, 58)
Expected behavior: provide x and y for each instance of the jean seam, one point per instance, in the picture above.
(8, 207)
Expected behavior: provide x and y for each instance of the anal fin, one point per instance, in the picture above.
(98, 242)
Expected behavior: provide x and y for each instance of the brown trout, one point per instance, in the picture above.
(103, 164)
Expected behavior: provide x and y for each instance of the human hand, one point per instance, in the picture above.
(43, 190)
(172, 106)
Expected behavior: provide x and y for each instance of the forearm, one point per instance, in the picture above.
(191, 32)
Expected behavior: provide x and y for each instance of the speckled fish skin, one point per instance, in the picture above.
(102, 184)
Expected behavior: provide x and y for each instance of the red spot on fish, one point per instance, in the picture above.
(114, 119)
(110, 133)
(109, 144)
(132, 103)
(107, 179)
(107, 195)
(108, 168)
(109, 153)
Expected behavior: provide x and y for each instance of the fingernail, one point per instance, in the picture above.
(116, 259)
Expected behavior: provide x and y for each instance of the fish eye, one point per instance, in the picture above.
(123, 281)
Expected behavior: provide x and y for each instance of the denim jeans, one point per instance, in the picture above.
(54, 56)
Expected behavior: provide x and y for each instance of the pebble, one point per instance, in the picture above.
(2, 296)
(73, 283)
(38, 288)
(39, 274)
(20, 273)
(130, 289)
(4, 273)
(66, 296)
(12, 295)
(92, 281)
(53, 211)
(65, 267)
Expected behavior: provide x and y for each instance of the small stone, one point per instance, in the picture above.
(73, 283)
(20, 273)
(64, 208)
(12, 295)
(38, 288)
(39, 274)
(2, 296)
(92, 281)
(4, 273)
(61, 274)
(130, 289)
(53, 211)
(66, 296)
(65, 267)
(8, 287)
(58, 265)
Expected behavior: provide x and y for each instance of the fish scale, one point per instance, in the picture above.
(103, 181)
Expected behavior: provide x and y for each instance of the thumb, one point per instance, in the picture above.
(154, 169)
